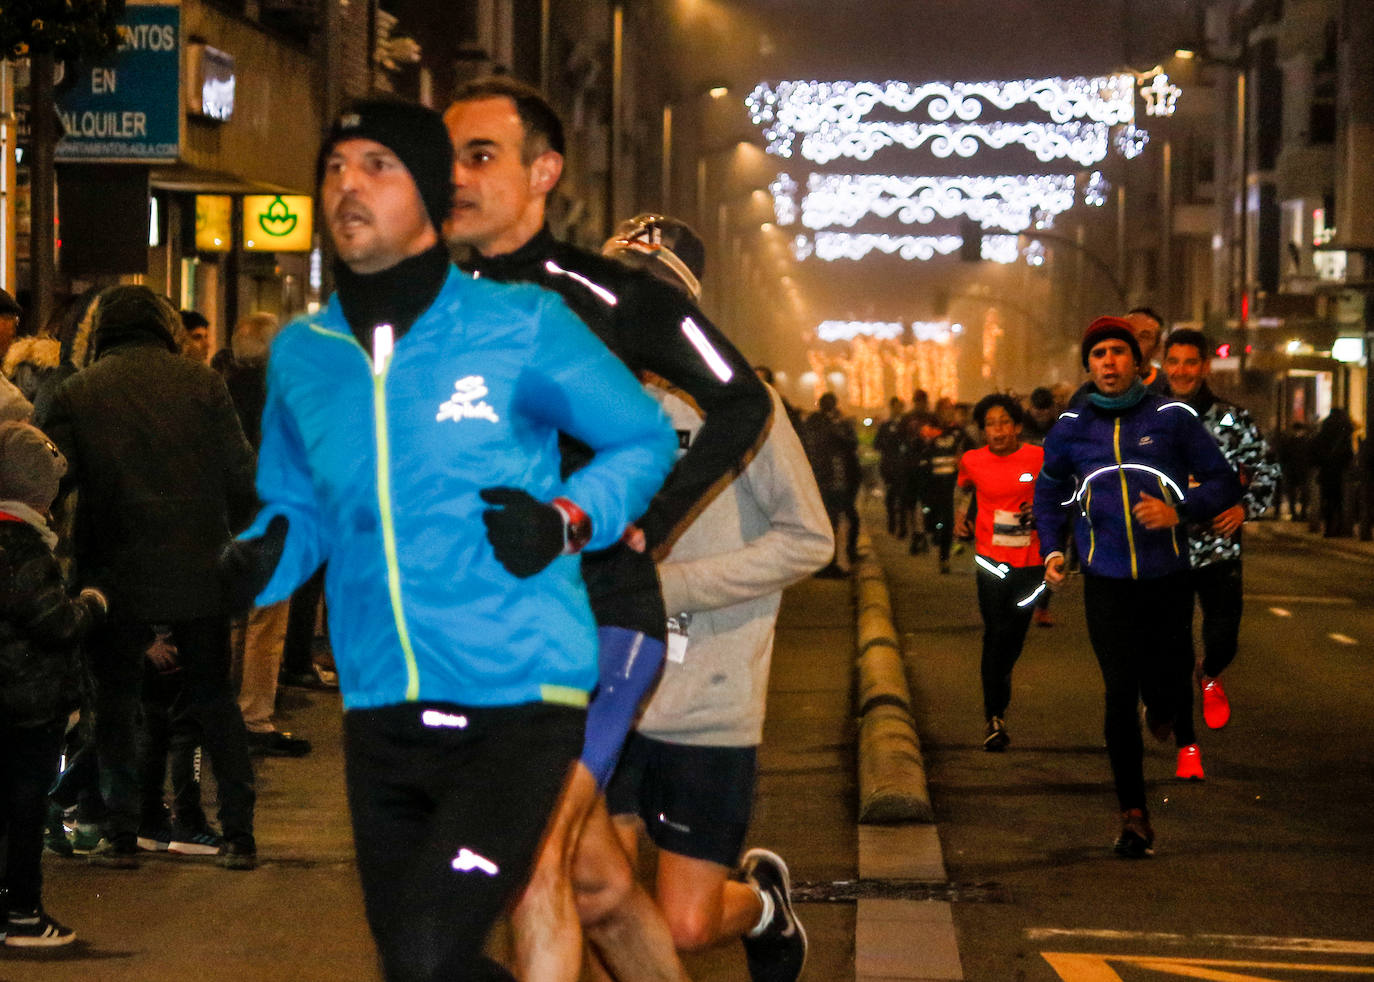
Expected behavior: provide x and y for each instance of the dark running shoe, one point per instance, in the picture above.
(195, 841)
(275, 743)
(239, 854)
(997, 737)
(1137, 839)
(35, 929)
(779, 953)
(115, 854)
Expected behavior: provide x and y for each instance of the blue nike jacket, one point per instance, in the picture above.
(378, 469)
(1097, 464)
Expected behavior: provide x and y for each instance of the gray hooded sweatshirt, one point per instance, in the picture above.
(763, 532)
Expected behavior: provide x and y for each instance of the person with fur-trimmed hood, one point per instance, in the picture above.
(164, 474)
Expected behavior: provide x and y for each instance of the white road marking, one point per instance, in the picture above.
(1300, 598)
(1342, 638)
(1330, 946)
(1280, 612)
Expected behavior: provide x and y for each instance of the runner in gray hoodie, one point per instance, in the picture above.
(688, 771)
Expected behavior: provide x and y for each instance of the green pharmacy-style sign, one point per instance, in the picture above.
(277, 222)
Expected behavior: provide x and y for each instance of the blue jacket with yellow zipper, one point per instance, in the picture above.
(378, 469)
(1097, 464)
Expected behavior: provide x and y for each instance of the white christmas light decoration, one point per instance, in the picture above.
(1006, 201)
(845, 245)
(784, 190)
(849, 330)
(1034, 253)
(1095, 194)
(1131, 141)
(805, 107)
(1001, 248)
(1161, 96)
(930, 330)
(1083, 143)
(832, 246)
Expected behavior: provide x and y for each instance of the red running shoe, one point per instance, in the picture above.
(1190, 763)
(1216, 708)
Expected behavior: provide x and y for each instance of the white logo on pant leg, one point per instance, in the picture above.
(466, 401)
(467, 861)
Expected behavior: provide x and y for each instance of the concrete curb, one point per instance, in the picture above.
(892, 776)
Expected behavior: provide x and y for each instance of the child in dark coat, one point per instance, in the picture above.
(41, 626)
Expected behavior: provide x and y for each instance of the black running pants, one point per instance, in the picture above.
(1138, 630)
(449, 804)
(1004, 626)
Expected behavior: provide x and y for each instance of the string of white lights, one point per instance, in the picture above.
(804, 107)
(832, 246)
(849, 330)
(1007, 201)
(1085, 143)
(1098, 187)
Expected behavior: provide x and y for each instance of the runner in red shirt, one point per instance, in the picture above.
(1000, 479)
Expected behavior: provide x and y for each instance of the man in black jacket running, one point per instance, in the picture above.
(509, 146)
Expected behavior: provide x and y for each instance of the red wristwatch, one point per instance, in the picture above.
(577, 527)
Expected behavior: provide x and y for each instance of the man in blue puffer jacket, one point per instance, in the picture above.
(410, 439)
(1130, 468)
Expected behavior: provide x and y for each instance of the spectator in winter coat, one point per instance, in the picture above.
(40, 628)
(164, 474)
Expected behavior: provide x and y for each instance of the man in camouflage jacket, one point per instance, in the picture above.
(1215, 548)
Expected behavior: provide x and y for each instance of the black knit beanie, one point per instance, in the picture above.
(414, 133)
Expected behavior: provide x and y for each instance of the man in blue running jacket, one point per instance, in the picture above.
(410, 438)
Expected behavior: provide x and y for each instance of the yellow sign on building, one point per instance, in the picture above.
(277, 222)
(213, 226)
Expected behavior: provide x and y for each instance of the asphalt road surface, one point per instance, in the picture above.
(1265, 871)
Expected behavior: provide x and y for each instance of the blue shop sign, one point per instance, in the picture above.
(127, 106)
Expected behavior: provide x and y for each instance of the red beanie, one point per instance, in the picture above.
(1109, 327)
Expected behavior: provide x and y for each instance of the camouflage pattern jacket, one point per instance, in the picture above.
(1246, 450)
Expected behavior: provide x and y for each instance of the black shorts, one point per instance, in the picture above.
(695, 801)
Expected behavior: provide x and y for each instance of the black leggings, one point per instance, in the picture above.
(1138, 630)
(448, 806)
(1004, 626)
(28, 764)
(1219, 588)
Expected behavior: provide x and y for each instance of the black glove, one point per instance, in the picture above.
(246, 566)
(525, 533)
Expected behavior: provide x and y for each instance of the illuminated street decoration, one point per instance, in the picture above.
(849, 330)
(873, 370)
(1035, 253)
(930, 330)
(1161, 96)
(1083, 143)
(845, 245)
(1095, 194)
(808, 107)
(833, 246)
(784, 191)
(1006, 201)
(1131, 141)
